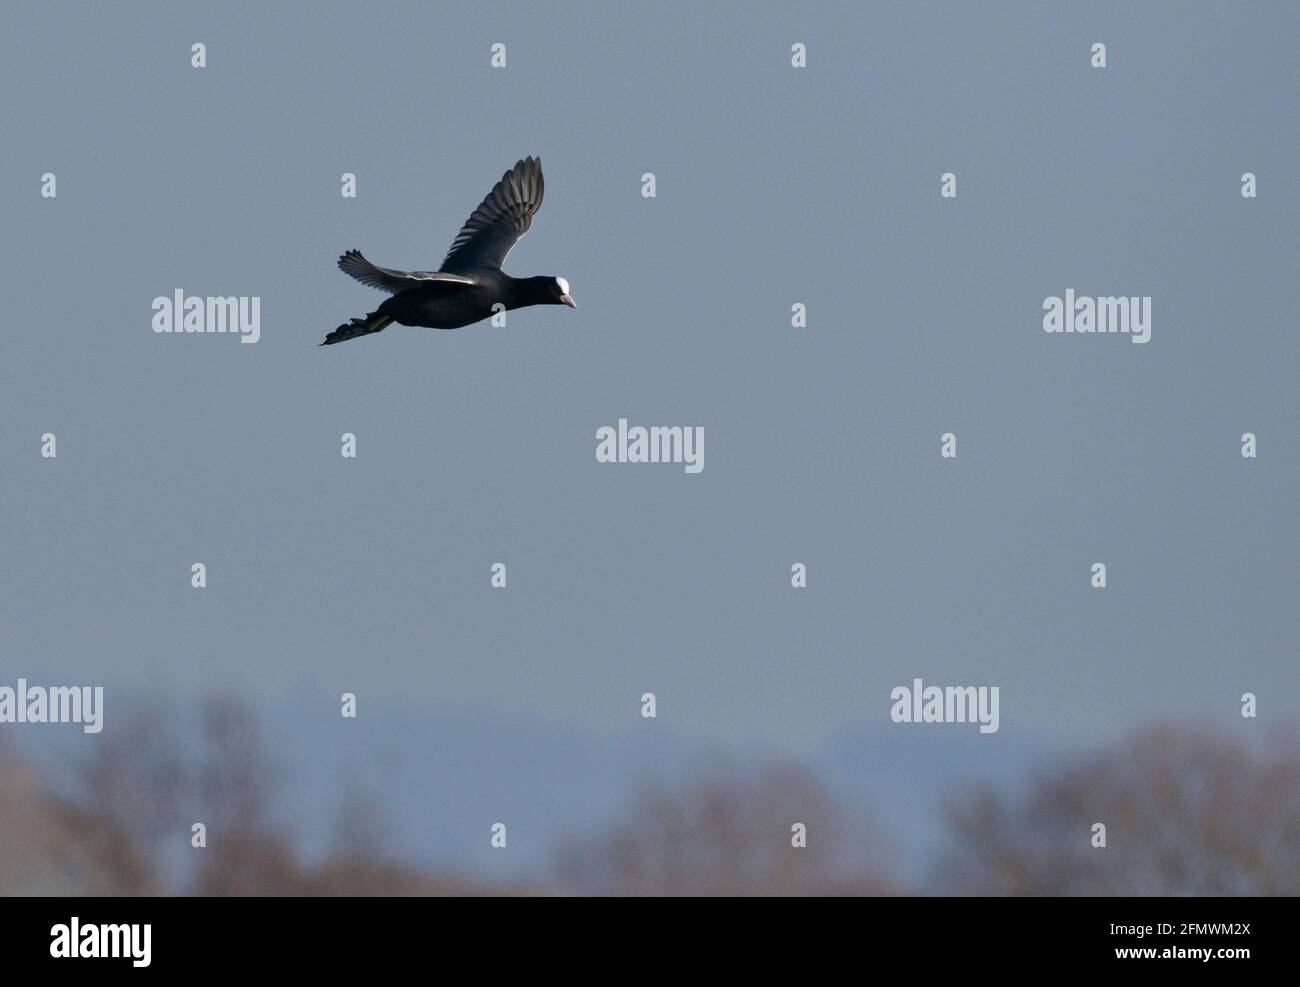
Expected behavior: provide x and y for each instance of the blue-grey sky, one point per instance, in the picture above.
(775, 185)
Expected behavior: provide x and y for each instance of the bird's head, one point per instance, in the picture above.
(560, 293)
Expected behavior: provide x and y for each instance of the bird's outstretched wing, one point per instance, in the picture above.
(391, 281)
(499, 221)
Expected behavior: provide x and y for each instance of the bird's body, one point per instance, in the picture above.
(439, 305)
(470, 286)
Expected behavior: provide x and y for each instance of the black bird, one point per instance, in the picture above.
(470, 282)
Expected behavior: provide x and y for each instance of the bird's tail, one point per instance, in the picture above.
(373, 322)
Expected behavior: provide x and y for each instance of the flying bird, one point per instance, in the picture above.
(470, 283)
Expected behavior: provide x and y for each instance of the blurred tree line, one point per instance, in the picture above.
(1186, 813)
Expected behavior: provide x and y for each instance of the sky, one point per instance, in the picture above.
(775, 185)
